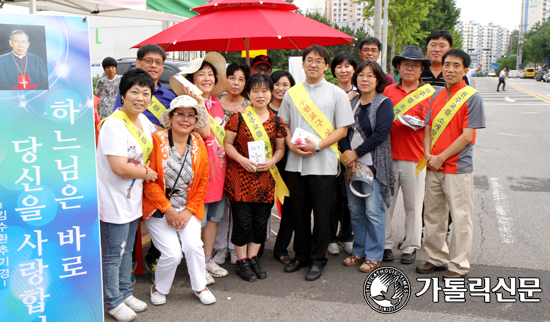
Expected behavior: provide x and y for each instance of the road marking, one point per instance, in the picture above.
(528, 113)
(504, 222)
(507, 99)
(518, 136)
(500, 104)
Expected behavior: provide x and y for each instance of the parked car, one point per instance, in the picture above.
(546, 77)
(491, 74)
(171, 67)
(513, 73)
(529, 73)
(539, 74)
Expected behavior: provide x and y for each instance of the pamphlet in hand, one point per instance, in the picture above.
(411, 121)
(188, 84)
(299, 137)
(256, 151)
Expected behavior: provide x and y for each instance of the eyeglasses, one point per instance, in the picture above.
(368, 76)
(233, 78)
(367, 49)
(310, 61)
(183, 115)
(262, 70)
(150, 61)
(413, 67)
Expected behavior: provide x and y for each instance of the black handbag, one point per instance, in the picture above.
(170, 192)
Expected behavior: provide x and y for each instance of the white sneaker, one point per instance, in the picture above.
(209, 279)
(220, 256)
(206, 297)
(234, 258)
(122, 313)
(135, 304)
(157, 298)
(215, 270)
(348, 247)
(333, 249)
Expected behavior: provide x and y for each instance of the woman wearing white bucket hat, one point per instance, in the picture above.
(208, 78)
(173, 205)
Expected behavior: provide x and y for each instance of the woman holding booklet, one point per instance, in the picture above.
(250, 183)
(367, 145)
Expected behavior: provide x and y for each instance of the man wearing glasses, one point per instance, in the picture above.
(369, 49)
(323, 110)
(411, 98)
(261, 64)
(151, 59)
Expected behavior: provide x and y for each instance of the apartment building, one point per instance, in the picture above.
(484, 42)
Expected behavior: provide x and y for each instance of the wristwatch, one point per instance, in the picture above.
(317, 149)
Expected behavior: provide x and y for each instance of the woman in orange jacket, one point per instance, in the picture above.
(173, 205)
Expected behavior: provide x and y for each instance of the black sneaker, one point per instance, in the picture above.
(245, 271)
(388, 255)
(260, 273)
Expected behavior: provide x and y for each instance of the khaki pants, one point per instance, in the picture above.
(446, 191)
(412, 186)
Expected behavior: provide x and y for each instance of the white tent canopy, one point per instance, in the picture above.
(135, 9)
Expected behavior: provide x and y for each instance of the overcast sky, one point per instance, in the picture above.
(505, 13)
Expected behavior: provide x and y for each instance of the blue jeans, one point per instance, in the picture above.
(214, 211)
(368, 221)
(117, 242)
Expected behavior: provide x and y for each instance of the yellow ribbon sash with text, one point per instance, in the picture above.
(156, 108)
(259, 134)
(218, 130)
(311, 113)
(145, 143)
(445, 116)
(412, 99)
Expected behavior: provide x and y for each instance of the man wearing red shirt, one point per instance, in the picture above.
(407, 149)
(450, 180)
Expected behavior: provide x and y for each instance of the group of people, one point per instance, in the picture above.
(203, 166)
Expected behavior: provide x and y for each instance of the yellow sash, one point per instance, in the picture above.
(156, 108)
(412, 99)
(445, 116)
(259, 134)
(218, 130)
(311, 113)
(142, 139)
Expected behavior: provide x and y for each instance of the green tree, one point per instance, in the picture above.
(406, 17)
(443, 16)
(508, 62)
(537, 46)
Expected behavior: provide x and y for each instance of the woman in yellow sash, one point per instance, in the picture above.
(250, 186)
(123, 148)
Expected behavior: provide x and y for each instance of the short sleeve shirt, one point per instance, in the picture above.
(244, 186)
(406, 143)
(216, 155)
(108, 90)
(334, 103)
(470, 115)
(115, 139)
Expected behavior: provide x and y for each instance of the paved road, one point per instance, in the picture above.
(511, 229)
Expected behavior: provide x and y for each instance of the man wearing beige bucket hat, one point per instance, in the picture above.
(206, 77)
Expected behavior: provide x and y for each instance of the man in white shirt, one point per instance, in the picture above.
(501, 80)
(312, 167)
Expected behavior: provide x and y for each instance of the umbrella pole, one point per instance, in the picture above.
(247, 46)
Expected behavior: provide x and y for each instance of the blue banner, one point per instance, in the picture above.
(50, 268)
